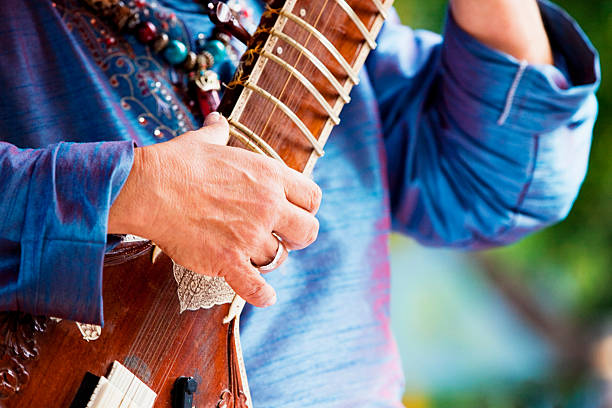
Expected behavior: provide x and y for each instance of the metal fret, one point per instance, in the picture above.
(246, 141)
(323, 40)
(360, 26)
(262, 146)
(381, 9)
(315, 61)
(294, 118)
(314, 91)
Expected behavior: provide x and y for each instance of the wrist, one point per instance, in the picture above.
(130, 213)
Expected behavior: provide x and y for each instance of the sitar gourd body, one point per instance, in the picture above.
(284, 100)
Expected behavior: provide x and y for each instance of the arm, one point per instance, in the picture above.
(514, 27)
(59, 203)
(54, 206)
(483, 148)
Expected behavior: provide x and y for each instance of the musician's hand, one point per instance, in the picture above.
(213, 208)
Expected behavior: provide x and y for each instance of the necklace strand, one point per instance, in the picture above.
(204, 84)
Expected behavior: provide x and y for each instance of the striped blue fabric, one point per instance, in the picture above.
(446, 140)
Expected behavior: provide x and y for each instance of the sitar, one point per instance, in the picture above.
(171, 337)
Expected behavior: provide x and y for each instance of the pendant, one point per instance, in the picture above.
(208, 87)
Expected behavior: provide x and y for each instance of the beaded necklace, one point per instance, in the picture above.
(204, 84)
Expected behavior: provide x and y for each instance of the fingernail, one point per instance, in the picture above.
(270, 301)
(211, 118)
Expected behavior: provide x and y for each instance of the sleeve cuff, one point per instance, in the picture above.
(532, 98)
(64, 236)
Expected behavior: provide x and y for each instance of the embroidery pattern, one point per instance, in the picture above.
(148, 88)
(18, 347)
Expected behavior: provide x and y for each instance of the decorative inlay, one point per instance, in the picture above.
(17, 348)
(89, 332)
(197, 291)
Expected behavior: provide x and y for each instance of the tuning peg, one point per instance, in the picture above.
(222, 16)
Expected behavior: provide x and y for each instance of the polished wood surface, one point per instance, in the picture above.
(145, 332)
(43, 362)
(265, 119)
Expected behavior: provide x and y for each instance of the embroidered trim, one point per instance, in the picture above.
(200, 291)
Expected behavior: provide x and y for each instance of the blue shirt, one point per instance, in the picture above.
(446, 140)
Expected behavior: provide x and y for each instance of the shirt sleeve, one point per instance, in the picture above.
(482, 148)
(55, 203)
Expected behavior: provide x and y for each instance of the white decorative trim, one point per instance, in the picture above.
(90, 332)
(197, 291)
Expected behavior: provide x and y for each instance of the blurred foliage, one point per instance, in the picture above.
(570, 263)
(574, 258)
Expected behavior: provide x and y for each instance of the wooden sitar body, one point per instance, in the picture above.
(285, 98)
(144, 330)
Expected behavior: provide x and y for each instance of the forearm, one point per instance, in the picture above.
(511, 26)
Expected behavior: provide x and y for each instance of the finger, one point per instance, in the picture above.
(302, 191)
(248, 283)
(297, 227)
(215, 129)
(269, 253)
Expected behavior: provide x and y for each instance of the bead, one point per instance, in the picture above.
(175, 52)
(133, 21)
(110, 41)
(201, 61)
(217, 49)
(200, 42)
(190, 61)
(205, 60)
(140, 3)
(146, 32)
(161, 42)
(208, 101)
(122, 15)
(223, 37)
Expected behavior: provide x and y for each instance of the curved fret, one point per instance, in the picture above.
(315, 61)
(294, 118)
(307, 84)
(357, 21)
(245, 140)
(262, 145)
(328, 45)
(381, 9)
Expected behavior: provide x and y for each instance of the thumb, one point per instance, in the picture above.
(215, 129)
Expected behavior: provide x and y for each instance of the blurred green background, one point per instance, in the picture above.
(529, 325)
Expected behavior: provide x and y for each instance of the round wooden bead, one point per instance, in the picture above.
(175, 52)
(190, 61)
(161, 42)
(146, 32)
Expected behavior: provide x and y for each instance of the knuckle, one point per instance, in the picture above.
(315, 196)
(313, 232)
(268, 167)
(255, 292)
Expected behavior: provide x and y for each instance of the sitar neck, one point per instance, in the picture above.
(296, 76)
